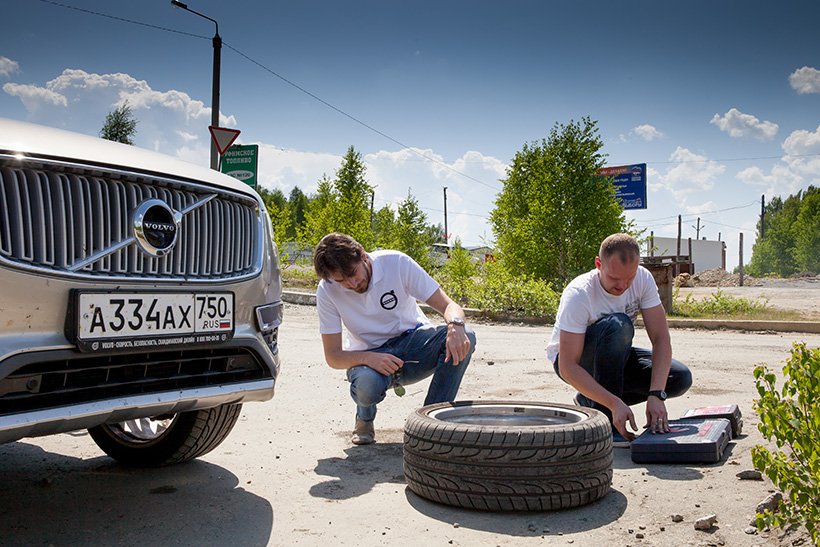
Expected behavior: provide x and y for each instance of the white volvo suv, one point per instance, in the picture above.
(140, 296)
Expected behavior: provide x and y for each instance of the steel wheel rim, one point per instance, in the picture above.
(499, 414)
(142, 430)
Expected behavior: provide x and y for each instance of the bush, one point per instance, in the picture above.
(791, 416)
(493, 290)
(718, 305)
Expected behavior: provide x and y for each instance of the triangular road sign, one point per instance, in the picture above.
(223, 137)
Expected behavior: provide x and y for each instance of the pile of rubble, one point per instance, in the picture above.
(714, 277)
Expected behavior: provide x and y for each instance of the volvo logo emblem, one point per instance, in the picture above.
(156, 226)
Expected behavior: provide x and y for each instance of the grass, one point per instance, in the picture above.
(723, 306)
(529, 302)
(299, 274)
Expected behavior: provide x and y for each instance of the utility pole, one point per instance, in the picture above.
(446, 236)
(677, 251)
(217, 43)
(762, 213)
(372, 198)
(740, 260)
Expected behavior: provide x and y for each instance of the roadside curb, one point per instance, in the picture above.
(306, 298)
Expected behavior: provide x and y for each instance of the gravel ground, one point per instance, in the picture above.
(288, 474)
(800, 294)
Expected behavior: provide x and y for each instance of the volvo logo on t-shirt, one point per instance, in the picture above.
(389, 300)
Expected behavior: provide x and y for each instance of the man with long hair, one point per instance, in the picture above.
(389, 341)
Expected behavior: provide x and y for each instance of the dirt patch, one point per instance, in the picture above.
(718, 277)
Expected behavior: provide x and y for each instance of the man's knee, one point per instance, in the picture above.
(471, 337)
(367, 387)
(618, 326)
(679, 381)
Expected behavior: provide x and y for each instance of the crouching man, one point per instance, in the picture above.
(389, 341)
(591, 344)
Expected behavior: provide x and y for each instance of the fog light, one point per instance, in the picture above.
(268, 319)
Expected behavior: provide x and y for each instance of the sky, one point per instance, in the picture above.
(721, 100)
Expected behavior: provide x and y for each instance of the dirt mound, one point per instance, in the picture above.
(718, 277)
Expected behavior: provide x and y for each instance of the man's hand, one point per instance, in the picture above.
(383, 363)
(458, 345)
(620, 415)
(657, 420)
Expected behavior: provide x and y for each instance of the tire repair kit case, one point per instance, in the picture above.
(699, 436)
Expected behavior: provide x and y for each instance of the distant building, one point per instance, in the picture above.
(441, 252)
(704, 254)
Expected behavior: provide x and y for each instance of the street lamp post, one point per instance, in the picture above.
(215, 87)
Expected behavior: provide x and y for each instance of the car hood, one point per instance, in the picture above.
(28, 139)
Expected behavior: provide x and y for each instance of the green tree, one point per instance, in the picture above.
(273, 198)
(343, 205)
(384, 223)
(790, 242)
(120, 125)
(807, 228)
(411, 236)
(297, 205)
(553, 211)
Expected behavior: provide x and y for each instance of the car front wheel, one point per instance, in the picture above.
(168, 439)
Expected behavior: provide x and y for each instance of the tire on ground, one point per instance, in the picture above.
(189, 435)
(508, 456)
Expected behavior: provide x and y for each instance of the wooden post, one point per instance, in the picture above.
(741, 259)
(691, 266)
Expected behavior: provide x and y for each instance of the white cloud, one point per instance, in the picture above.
(805, 80)
(8, 67)
(803, 153)
(285, 169)
(708, 207)
(647, 132)
(34, 97)
(739, 125)
(781, 181)
(693, 173)
(79, 101)
(187, 137)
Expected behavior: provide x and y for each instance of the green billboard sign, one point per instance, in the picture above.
(239, 161)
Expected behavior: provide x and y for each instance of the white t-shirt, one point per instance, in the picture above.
(584, 301)
(388, 308)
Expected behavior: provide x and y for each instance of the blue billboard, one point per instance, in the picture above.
(630, 184)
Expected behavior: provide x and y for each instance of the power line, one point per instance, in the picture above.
(702, 213)
(296, 86)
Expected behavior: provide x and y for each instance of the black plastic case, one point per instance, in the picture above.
(730, 412)
(691, 440)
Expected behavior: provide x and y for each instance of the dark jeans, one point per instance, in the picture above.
(621, 369)
(427, 345)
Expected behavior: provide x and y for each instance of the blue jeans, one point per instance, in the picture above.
(426, 345)
(621, 369)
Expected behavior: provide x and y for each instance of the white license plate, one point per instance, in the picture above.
(130, 315)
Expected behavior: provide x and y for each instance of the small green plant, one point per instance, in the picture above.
(791, 416)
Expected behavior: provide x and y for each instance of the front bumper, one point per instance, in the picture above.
(83, 416)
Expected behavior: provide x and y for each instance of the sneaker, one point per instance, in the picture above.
(363, 433)
(577, 399)
(619, 441)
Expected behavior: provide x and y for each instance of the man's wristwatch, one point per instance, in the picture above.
(456, 321)
(659, 393)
